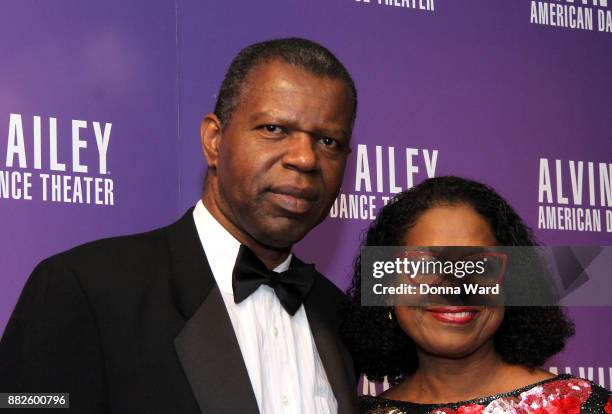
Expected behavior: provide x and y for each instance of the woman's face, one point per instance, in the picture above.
(450, 331)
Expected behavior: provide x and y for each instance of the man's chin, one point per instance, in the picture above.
(282, 235)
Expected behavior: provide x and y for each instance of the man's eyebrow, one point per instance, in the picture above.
(289, 122)
(263, 114)
(333, 132)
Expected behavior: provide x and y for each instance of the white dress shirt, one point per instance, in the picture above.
(278, 349)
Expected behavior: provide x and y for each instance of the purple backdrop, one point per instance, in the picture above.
(477, 86)
(109, 63)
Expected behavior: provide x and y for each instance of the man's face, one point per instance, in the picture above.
(281, 157)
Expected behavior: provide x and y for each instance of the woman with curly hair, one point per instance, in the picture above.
(461, 359)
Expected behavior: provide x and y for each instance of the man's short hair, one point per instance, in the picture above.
(304, 54)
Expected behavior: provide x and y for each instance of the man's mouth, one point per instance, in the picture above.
(293, 199)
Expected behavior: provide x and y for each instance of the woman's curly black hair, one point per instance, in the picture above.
(527, 335)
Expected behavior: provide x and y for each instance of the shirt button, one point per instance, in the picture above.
(285, 400)
(275, 331)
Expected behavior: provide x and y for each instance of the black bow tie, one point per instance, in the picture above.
(291, 287)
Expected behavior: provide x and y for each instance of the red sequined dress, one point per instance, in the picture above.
(563, 394)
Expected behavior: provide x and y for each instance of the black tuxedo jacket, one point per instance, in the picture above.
(137, 324)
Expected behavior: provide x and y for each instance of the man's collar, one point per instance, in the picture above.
(221, 248)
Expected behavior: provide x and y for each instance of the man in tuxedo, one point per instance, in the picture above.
(212, 314)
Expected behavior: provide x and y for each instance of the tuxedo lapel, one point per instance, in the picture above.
(207, 347)
(211, 358)
(335, 359)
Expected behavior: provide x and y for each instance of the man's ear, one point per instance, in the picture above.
(210, 138)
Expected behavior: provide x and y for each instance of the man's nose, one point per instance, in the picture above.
(301, 153)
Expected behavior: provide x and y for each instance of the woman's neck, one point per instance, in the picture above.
(441, 379)
(482, 373)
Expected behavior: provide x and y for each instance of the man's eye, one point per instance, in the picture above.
(329, 142)
(273, 129)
